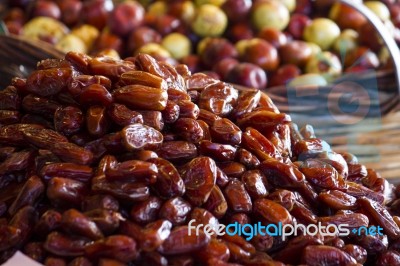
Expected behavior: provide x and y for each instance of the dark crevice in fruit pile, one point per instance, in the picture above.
(105, 162)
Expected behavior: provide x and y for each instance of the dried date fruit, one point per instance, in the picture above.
(97, 123)
(246, 158)
(65, 245)
(69, 152)
(153, 119)
(175, 210)
(123, 116)
(109, 67)
(129, 191)
(338, 200)
(143, 78)
(73, 171)
(189, 130)
(216, 249)
(314, 255)
(247, 102)
(199, 176)
(65, 191)
(151, 236)
(95, 94)
(171, 112)
(141, 97)
(322, 174)
(28, 195)
(43, 138)
(106, 220)
(218, 98)
(132, 171)
(177, 150)
(75, 222)
(208, 117)
(48, 82)
(263, 121)
(202, 216)
(9, 99)
(182, 240)
(219, 152)
(9, 117)
(237, 197)
(132, 161)
(80, 261)
(13, 134)
(146, 211)
(291, 254)
(272, 212)
(10, 237)
(78, 83)
(357, 252)
(216, 203)
(35, 251)
(48, 222)
(226, 132)
(119, 247)
(68, 120)
(188, 109)
(353, 220)
(169, 182)
(16, 162)
(281, 174)
(381, 216)
(257, 143)
(100, 202)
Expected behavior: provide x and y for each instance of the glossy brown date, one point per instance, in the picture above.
(119, 247)
(169, 182)
(142, 97)
(199, 176)
(181, 241)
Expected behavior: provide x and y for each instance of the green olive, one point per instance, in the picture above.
(379, 8)
(241, 46)
(290, 4)
(71, 42)
(346, 42)
(158, 8)
(327, 64)
(154, 49)
(87, 33)
(211, 2)
(209, 21)
(322, 31)
(188, 11)
(315, 49)
(45, 27)
(271, 14)
(310, 79)
(178, 45)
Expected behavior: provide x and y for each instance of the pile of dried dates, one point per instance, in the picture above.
(116, 162)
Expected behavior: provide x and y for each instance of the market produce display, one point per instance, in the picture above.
(115, 162)
(260, 44)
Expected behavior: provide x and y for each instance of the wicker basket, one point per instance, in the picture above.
(358, 113)
(352, 117)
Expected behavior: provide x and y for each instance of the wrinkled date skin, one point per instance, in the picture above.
(107, 161)
(49, 81)
(181, 240)
(199, 176)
